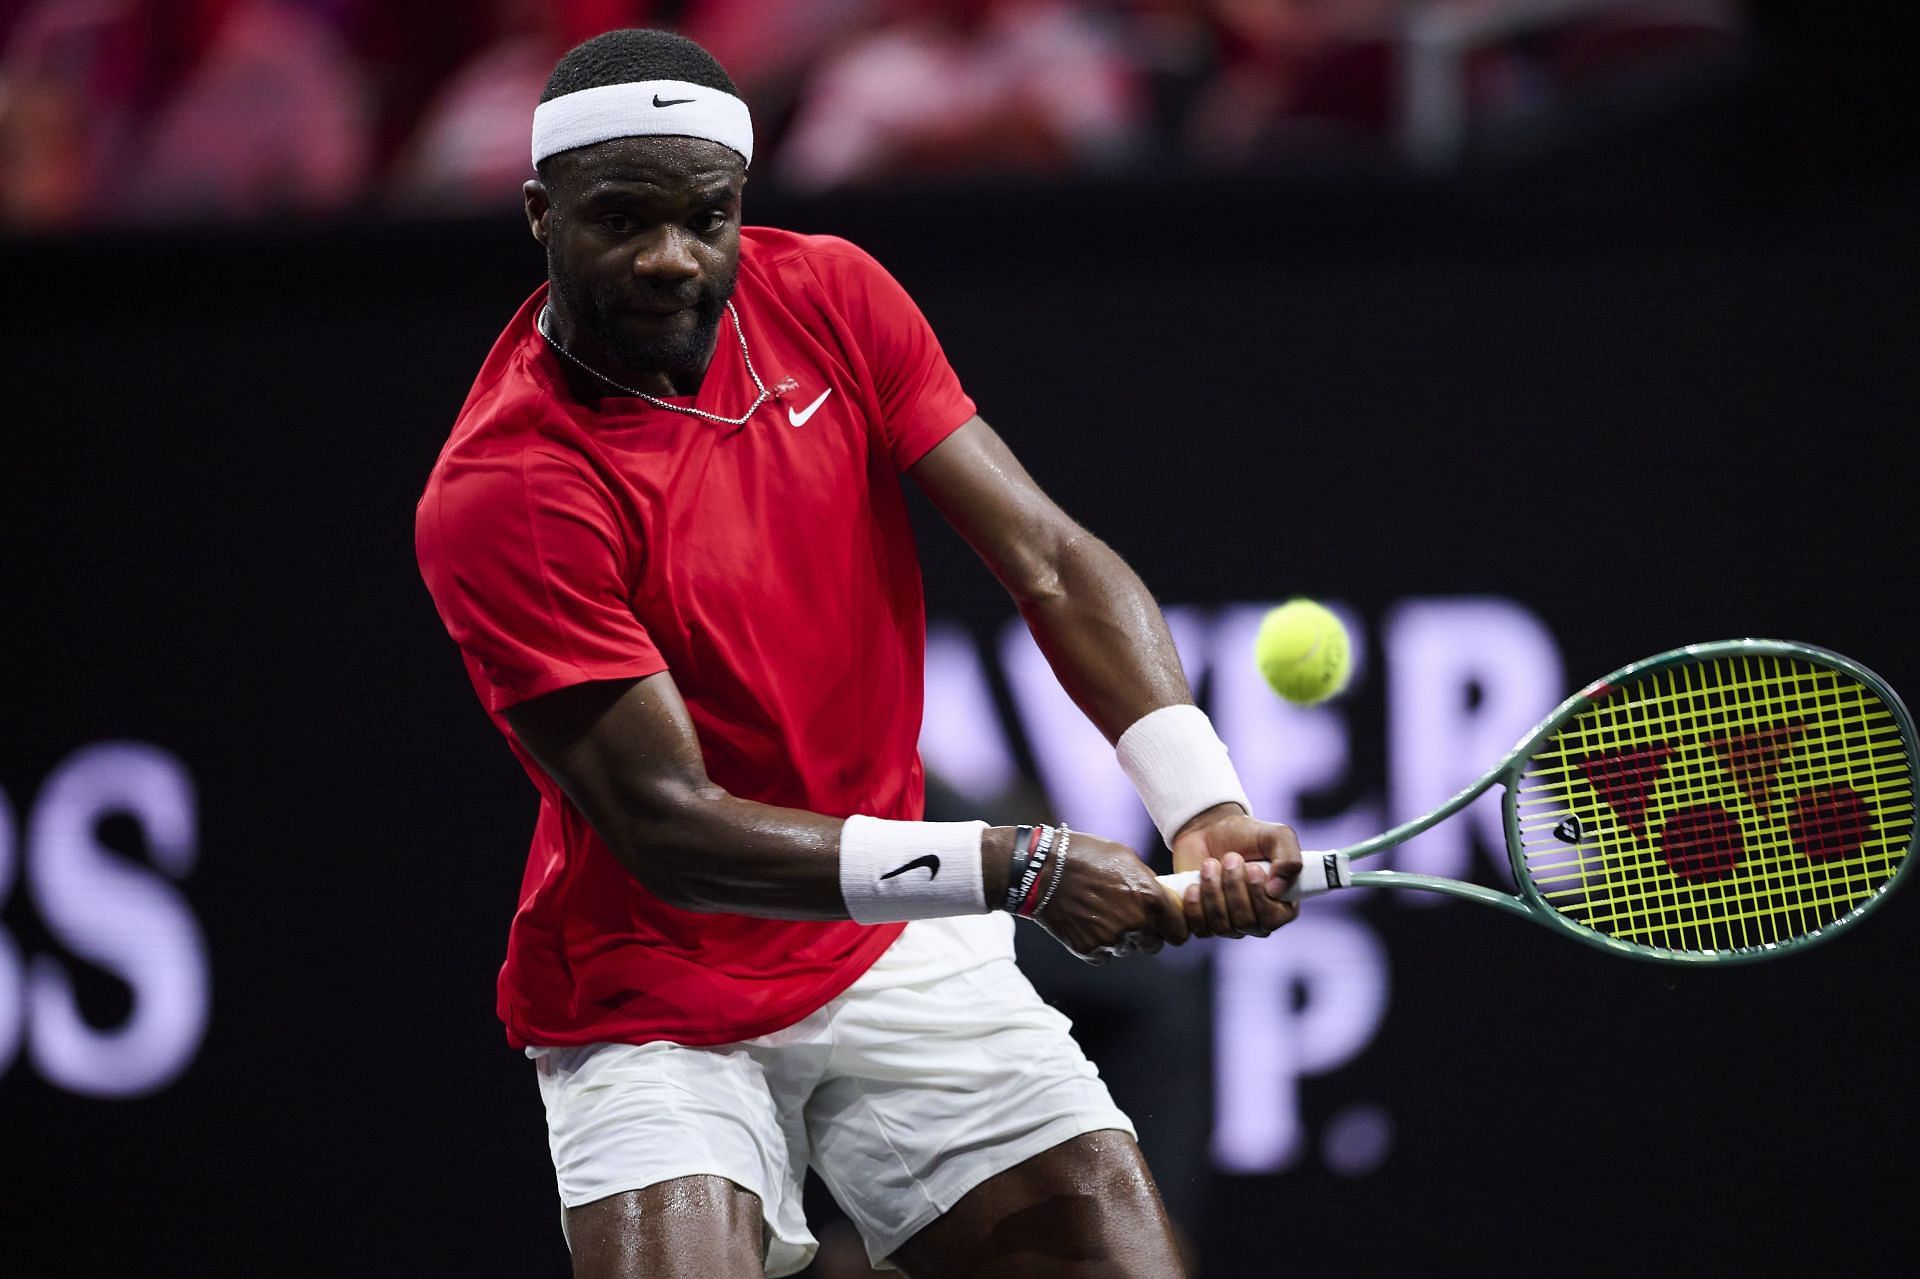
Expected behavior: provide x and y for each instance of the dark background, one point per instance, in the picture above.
(1658, 387)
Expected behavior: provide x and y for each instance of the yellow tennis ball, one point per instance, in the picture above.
(1303, 652)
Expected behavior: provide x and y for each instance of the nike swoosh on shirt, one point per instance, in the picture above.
(670, 102)
(930, 862)
(800, 418)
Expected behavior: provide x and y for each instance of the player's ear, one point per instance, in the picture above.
(539, 208)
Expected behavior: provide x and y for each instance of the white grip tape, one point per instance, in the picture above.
(892, 871)
(1319, 873)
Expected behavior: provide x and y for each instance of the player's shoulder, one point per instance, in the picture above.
(814, 262)
(773, 247)
(512, 431)
(494, 439)
(503, 462)
(516, 403)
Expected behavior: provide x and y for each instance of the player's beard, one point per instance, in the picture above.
(678, 354)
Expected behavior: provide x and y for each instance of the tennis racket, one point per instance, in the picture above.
(1718, 803)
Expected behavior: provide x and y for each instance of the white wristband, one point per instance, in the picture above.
(1179, 765)
(910, 870)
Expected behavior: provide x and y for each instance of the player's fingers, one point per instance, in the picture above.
(1258, 873)
(1282, 870)
(1277, 845)
(1132, 942)
(1237, 888)
(1213, 900)
(1195, 913)
(1270, 913)
(1167, 919)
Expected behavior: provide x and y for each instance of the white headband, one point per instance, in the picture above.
(646, 108)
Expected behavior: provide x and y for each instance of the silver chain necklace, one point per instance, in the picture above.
(540, 323)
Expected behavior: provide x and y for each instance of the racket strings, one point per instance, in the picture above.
(1719, 805)
(1724, 840)
(1713, 850)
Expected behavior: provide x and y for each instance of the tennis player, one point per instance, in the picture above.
(669, 537)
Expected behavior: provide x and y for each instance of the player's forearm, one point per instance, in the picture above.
(626, 756)
(712, 851)
(1108, 644)
(1102, 633)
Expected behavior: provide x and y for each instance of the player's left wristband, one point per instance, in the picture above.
(1180, 767)
(892, 871)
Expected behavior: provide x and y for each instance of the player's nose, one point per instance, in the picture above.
(667, 256)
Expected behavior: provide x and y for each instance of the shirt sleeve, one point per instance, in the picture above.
(919, 394)
(528, 569)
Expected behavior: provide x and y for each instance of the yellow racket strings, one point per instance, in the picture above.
(1719, 805)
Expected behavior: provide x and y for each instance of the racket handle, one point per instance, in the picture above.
(1319, 873)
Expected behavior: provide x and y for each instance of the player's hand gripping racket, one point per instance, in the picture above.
(1718, 803)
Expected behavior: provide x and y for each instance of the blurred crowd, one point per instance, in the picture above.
(122, 111)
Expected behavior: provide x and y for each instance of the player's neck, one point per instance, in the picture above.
(594, 373)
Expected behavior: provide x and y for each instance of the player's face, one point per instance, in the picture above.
(643, 243)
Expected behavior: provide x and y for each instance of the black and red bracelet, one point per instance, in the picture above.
(1030, 857)
(1037, 872)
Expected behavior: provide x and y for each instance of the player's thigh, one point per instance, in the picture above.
(942, 1085)
(646, 1136)
(702, 1227)
(1086, 1208)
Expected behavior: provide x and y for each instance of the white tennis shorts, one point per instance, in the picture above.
(936, 1070)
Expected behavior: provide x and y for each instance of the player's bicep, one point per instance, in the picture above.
(979, 486)
(624, 751)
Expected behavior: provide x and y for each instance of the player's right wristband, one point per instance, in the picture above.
(892, 871)
(1179, 765)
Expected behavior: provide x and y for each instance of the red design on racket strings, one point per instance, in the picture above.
(1754, 758)
(1702, 841)
(1624, 781)
(1833, 821)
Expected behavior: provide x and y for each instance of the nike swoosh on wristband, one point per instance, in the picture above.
(670, 102)
(930, 862)
(800, 418)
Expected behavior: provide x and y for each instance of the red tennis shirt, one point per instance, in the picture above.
(770, 567)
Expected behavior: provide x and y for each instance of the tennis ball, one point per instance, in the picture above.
(1303, 652)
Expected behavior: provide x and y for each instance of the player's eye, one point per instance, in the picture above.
(618, 223)
(709, 220)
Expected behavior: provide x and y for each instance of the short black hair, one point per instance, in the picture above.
(633, 54)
